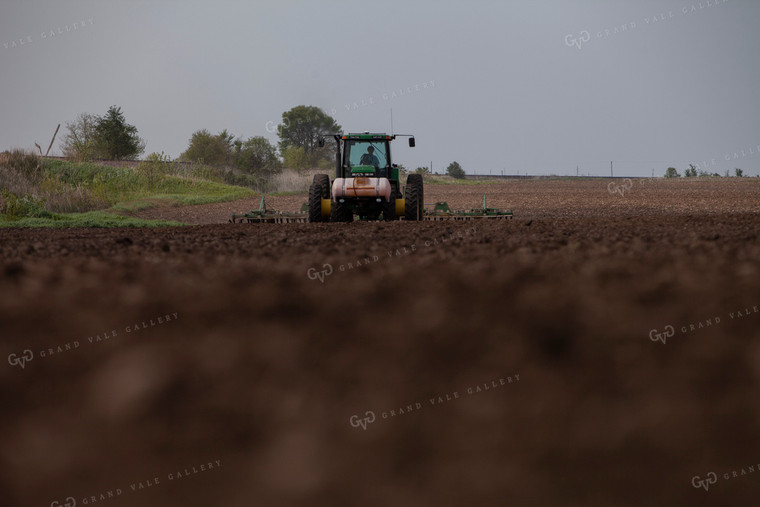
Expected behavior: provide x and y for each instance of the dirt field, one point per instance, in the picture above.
(602, 348)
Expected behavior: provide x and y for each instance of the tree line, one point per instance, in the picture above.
(91, 137)
(691, 172)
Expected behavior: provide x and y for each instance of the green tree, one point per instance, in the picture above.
(257, 156)
(80, 142)
(301, 127)
(215, 150)
(115, 138)
(422, 170)
(739, 172)
(672, 173)
(691, 172)
(294, 157)
(455, 170)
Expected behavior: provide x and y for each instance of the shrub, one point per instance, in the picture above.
(14, 206)
(206, 148)
(23, 162)
(154, 167)
(455, 170)
(294, 157)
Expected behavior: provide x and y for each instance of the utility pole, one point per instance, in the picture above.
(577, 171)
(611, 175)
(52, 140)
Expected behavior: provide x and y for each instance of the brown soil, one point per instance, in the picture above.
(276, 342)
(535, 198)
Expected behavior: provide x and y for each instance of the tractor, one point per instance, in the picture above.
(366, 183)
(366, 186)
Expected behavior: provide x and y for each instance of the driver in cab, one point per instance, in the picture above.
(369, 158)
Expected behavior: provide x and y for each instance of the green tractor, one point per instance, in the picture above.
(366, 183)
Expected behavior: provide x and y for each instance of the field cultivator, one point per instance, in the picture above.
(440, 211)
(264, 215)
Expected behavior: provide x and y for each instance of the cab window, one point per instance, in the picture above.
(357, 149)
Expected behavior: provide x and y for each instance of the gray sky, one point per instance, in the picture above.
(537, 87)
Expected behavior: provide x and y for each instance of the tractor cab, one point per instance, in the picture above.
(366, 155)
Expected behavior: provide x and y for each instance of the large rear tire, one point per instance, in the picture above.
(323, 180)
(315, 203)
(415, 198)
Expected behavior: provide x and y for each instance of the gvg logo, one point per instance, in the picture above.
(14, 360)
(70, 502)
(356, 421)
(313, 274)
(583, 37)
(698, 482)
(614, 188)
(271, 126)
(668, 332)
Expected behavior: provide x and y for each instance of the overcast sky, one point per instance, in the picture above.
(532, 86)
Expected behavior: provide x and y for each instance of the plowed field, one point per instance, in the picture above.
(601, 348)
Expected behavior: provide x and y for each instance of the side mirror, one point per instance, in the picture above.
(321, 142)
(411, 142)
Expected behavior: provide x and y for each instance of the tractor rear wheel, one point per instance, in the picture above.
(341, 212)
(315, 203)
(415, 198)
(324, 181)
